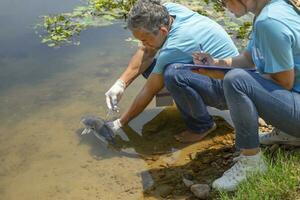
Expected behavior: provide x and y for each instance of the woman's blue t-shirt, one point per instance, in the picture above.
(275, 40)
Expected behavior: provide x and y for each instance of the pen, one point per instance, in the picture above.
(204, 60)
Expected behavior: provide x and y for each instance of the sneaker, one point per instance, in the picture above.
(244, 166)
(277, 136)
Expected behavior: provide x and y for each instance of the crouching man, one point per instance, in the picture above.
(170, 33)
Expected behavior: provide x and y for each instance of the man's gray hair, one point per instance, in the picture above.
(149, 15)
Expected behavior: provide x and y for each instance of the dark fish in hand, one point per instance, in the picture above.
(98, 127)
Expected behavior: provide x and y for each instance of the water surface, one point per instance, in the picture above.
(43, 94)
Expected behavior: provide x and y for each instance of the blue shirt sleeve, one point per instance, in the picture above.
(274, 40)
(168, 56)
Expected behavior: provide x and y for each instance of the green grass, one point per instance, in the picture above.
(281, 181)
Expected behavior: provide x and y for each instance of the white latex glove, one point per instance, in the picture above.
(114, 94)
(114, 125)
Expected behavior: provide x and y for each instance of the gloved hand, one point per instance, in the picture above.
(114, 125)
(114, 94)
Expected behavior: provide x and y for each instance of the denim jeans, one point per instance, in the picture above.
(192, 93)
(246, 94)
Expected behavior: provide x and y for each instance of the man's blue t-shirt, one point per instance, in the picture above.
(275, 40)
(188, 31)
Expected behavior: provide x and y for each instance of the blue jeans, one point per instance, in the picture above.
(192, 93)
(246, 94)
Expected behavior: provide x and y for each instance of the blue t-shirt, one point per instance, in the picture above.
(190, 29)
(275, 40)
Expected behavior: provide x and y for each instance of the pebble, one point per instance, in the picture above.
(188, 183)
(201, 190)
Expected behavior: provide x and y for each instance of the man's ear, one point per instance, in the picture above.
(164, 30)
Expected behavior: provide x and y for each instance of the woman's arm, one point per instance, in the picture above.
(284, 79)
(242, 60)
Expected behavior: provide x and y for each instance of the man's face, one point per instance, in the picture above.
(151, 40)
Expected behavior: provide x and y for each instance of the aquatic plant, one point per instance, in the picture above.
(65, 28)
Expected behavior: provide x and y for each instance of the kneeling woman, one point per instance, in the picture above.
(273, 93)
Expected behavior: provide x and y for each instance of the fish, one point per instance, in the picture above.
(99, 128)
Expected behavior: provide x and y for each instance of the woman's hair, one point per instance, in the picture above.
(149, 15)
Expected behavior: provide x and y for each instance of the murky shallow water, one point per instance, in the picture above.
(43, 94)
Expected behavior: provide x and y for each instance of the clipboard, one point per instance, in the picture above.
(213, 67)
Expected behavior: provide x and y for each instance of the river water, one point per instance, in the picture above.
(43, 94)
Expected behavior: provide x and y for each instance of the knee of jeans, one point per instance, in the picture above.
(173, 76)
(235, 77)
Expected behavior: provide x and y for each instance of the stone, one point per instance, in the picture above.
(188, 183)
(201, 191)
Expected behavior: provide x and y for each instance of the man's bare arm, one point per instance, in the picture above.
(153, 85)
(139, 62)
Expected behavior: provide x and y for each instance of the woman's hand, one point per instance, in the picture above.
(200, 58)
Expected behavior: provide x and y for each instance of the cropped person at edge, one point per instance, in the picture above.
(273, 93)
